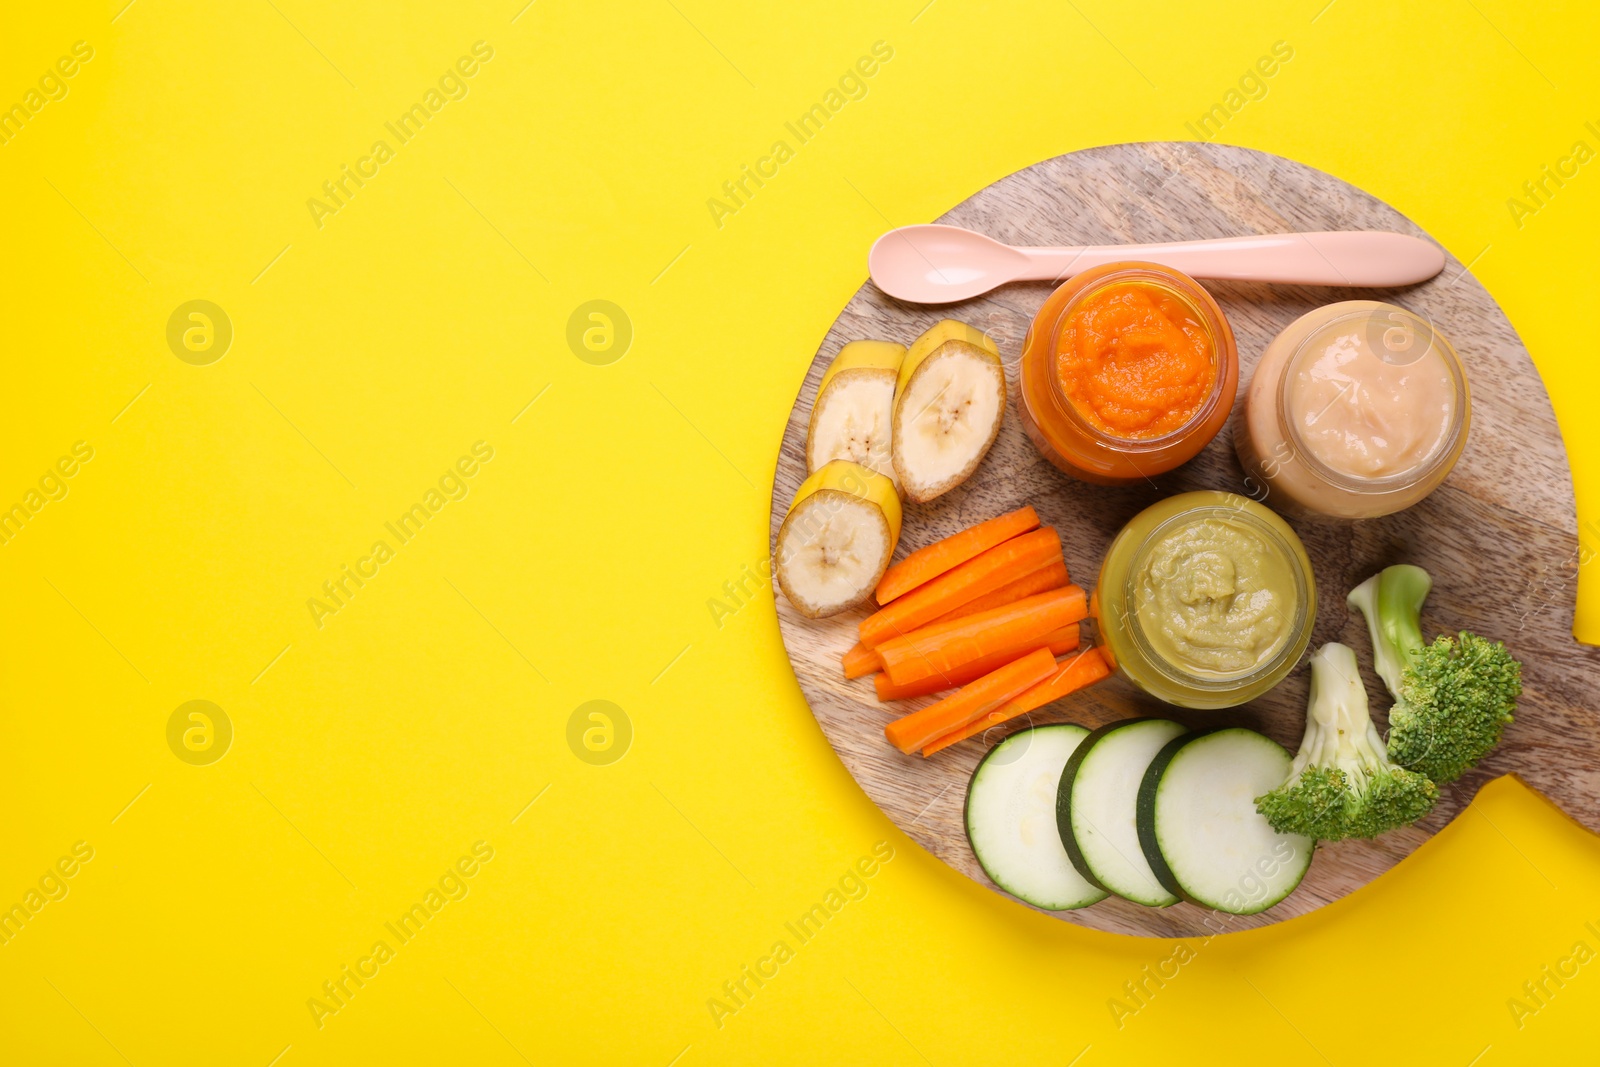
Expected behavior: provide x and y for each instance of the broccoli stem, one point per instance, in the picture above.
(1392, 600)
(1339, 731)
(1342, 783)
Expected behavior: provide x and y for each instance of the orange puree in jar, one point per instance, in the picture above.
(1134, 361)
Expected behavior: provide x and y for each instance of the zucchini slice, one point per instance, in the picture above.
(1097, 802)
(1199, 828)
(1011, 818)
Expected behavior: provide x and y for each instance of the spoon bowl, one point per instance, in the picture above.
(935, 264)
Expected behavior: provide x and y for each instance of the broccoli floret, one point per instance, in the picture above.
(1341, 783)
(1452, 698)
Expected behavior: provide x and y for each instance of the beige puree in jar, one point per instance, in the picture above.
(1356, 410)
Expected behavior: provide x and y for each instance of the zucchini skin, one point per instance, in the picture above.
(1064, 796)
(1145, 812)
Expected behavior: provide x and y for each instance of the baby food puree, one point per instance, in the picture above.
(1128, 371)
(1205, 600)
(1357, 409)
(1362, 414)
(1214, 598)
(1134, 361)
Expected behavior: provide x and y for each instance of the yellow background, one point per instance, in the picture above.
(429, 711)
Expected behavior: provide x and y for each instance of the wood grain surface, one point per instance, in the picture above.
(1500, 536)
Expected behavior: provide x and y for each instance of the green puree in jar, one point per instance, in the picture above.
(1214, 599)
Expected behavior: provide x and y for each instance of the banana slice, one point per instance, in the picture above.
(948, 405)
(837, 539)
(855, 404)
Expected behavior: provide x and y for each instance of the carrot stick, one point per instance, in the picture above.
(1077, 672)
(1059, 643)
(1052, 575)
(972, 701)
(936, 650)
(1000, 565)
(926, 564)
(860, 661)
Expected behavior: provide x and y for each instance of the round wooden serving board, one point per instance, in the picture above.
(1499, 536)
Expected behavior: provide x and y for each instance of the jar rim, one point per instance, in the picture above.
(1206, 312)
(1295, 636)
(1444, 452)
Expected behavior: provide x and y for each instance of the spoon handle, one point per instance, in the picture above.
(1330, 257)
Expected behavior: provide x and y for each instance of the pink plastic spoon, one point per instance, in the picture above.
(936, 264)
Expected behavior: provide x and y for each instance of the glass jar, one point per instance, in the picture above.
(1068, 438)
(1205, 600)
(1356, 410)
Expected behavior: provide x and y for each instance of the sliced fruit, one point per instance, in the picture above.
(1199, 828)
(855, 404)
(1095, 808)
(837, 539)
(936, 335)
(1011, 819)
(948, 406)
